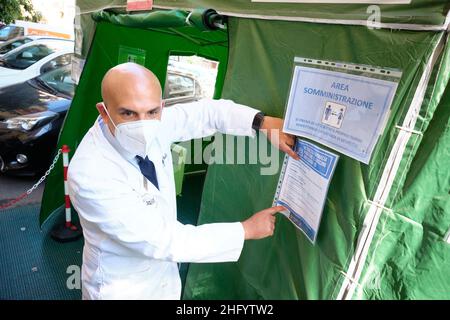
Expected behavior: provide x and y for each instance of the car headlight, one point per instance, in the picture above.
(30, 121)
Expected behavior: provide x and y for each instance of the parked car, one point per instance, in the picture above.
(31, 117)
(32, 114)
(33, 59)
(10, 32)
(44, 29)
(181, 87)
(19, 41)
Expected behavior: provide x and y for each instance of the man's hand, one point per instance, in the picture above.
(273, 129)
(261, 224)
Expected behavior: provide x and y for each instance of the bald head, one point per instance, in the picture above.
(129, 79)
(130, 92)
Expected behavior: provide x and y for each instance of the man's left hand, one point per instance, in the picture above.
(273, 128)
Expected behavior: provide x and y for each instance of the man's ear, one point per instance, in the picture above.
(100, 107)
(163, 104)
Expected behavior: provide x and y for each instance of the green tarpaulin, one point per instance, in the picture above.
(384, 231)
(419, 14)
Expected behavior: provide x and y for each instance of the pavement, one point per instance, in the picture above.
(33, 265)
(11, 187)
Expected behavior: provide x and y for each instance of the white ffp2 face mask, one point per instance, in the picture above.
(136, 137)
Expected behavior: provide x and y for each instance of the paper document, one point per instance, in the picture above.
(303, 186)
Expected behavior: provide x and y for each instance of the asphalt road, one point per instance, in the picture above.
(12, 187)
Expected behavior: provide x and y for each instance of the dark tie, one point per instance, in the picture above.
(148, 170)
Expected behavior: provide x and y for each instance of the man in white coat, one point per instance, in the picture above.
(121, 184)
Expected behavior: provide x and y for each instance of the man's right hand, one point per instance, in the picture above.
(261, 224)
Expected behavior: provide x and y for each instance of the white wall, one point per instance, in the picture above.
(56, 12)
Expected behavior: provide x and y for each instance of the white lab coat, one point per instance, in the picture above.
(133, 240)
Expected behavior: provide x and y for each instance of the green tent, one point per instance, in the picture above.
(384, 233)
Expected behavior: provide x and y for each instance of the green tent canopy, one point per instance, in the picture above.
(384, 233)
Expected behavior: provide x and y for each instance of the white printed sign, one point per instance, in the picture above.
(303, 186)
(339, 109)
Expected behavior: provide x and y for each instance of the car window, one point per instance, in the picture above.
(189, 78)
(13, 44)
(10, 32)
(4, 32)
(29, 55)
(60, 80)
(179, 86)
(58, 62)
(17, 32)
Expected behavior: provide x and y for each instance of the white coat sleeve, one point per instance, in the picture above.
(205, 117)
(118, 212)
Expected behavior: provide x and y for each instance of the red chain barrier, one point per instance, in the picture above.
(13, 201)
(29, 191)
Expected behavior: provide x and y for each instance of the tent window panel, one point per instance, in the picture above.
(189, 78)
(180, 85)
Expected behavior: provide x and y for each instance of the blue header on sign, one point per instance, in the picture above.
(318, 160)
